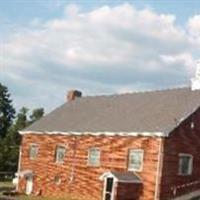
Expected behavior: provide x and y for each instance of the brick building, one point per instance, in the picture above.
(139, 146)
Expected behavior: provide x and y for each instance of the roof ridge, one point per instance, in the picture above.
(146, 111)
(137, 92)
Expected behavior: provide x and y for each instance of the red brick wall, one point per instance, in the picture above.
(183, 139)
(128, 191)
(114, 152)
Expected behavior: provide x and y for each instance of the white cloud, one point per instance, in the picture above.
(193, 26)
(183, 59)
(106, 50)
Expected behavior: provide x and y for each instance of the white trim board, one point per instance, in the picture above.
(134, 134)
(188, 196)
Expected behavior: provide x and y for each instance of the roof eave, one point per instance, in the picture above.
(98, 133)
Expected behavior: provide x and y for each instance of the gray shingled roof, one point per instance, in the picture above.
(126, 176)
(155, 111)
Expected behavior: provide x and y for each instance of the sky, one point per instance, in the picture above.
(99, 47)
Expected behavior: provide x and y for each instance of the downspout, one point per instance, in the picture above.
(159, 169)
(19, 167)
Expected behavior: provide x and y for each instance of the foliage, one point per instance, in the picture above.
(20, 123)
(7, 111)
(36, 114)
(8, 156)
(9, 129)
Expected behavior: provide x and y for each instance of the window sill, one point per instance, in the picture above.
(184, 174)
(93, 166)
(32, 159)
(135, 170)
(59, 163)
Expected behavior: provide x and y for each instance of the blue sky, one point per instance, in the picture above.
(23, 11)
(100, 47)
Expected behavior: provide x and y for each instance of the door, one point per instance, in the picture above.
(108, 190)
(29, 185)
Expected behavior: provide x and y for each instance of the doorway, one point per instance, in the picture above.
(108, 189)
(29, 185)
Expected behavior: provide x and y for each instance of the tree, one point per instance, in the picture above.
(7, 112)
(21, 122)
(8, 156)
(10, 138)
(36, 114)
(22, 119)
(9, 147)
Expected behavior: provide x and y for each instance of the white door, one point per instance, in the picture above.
(29, 185)
(108, 189)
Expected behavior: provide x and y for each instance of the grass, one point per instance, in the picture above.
(6, 184)
(53, 198)
(43, 198)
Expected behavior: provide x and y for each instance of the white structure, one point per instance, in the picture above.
(196, 80)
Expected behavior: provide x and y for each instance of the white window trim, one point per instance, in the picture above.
(30, 146)
(88, 156)
(141, 167)
(190, 164)
(62, 146)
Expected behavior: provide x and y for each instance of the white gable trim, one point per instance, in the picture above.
(183, 119)
(135, 134)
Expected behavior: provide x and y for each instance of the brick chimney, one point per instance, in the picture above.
(73, 94)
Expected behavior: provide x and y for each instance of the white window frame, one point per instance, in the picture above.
(56, 157)
(30, 149)
(88, 159)
(132, 168)
(190, 169)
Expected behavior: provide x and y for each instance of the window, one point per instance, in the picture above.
(33, 151)
(135, 159)
(57, 180)
(94, 157)
(185, 164)
(60, 154)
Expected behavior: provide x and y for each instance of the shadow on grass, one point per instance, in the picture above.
(6, 189)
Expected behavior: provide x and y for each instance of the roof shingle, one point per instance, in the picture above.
(136, 112)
